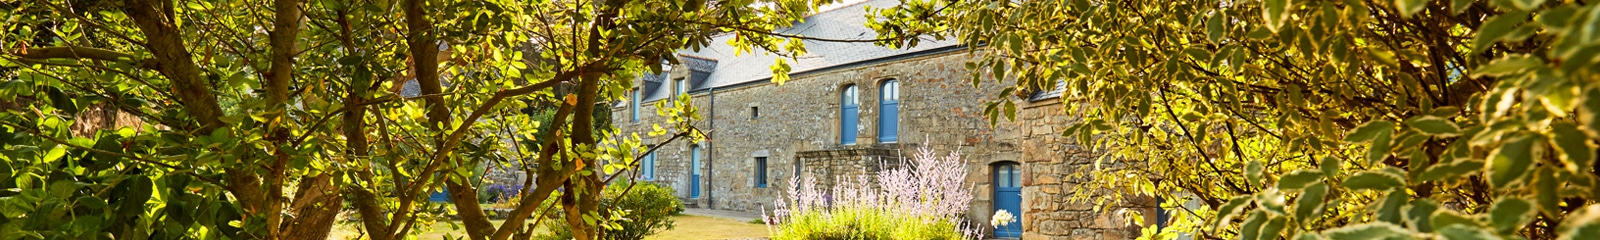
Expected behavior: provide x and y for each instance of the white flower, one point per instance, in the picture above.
(1001, 218)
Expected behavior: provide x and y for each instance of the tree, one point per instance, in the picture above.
(262, 117)
(1302, 119)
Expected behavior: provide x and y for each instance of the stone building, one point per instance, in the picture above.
(849, 107)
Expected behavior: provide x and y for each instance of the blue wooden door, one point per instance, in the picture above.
(1008, 196)
(889, 106)
(849, 114)
(694, 171)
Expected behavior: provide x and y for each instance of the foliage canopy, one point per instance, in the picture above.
(263, 118)
(1353, 119)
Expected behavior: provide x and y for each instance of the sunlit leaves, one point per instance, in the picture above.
(1375, 230)
(1433, 125)
(1410, 7)
(1509, 214)
(1512, 161)
(1581, 224)
(1216, 27)
(1276, 12)
(1310, 204)
(1370, 131)
(1299, 179)
(1496, 28)
(1508, 66)
(1374, 180)
(1576, 150)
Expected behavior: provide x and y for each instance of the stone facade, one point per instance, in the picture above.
(1048, 159)
(796, 126)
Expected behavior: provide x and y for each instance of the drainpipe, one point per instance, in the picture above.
(711, 152)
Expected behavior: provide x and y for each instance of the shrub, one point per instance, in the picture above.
(924, 200)
(645, 210)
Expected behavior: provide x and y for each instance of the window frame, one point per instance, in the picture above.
(760, 172)
(888, 94)
(634, 108)
(849, 99)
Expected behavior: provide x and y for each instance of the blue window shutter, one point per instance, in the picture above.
(694, 171)
(889, 112)
(635, 107)
(647, 167)
(849, 115)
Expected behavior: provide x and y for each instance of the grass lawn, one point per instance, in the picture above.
(348, 231)
(699, 227)
(688, 227)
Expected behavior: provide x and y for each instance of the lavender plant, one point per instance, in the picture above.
(923, 199)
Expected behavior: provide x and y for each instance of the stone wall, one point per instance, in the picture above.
(938, 105)
(1049, 159)
(799, 123)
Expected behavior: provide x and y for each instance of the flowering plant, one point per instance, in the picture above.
(924, 199)
(1002, 218)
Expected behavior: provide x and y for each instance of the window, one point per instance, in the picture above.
(694, 171)
(889, 111)
(634, 108)
(680, 86)
(761, 172)
(647, 167)
(755, 112)
(849, 115)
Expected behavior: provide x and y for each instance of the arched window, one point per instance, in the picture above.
(889, 111)
(849, 115)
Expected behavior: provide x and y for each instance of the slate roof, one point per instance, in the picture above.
(845, 22)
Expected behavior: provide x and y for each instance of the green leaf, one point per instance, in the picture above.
(1252, 171)
(1276, 12)
(1576, 150)
(1371, 230)
(1444, 218)
(1458, 6)
(1509, 163)
(1453, 170)
(1215, 28)
(1495, 29)
(1433, 125)
(1226, 212)
(1509, 214)
(1389, 209)
(1330, 166)
(1011, 110)
(1374, 180)
(1546, 190)
(1589, 112)
(1581, 225)
(1308, 236)
(1274, 226)
(1299, 179)
(1311, 203)
(1508, 66)
(1379, 150)
(1463, 232)
(1527, 5)
(1369, 131)
(1252, 225)
(1419, 212)
(1410, 7)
